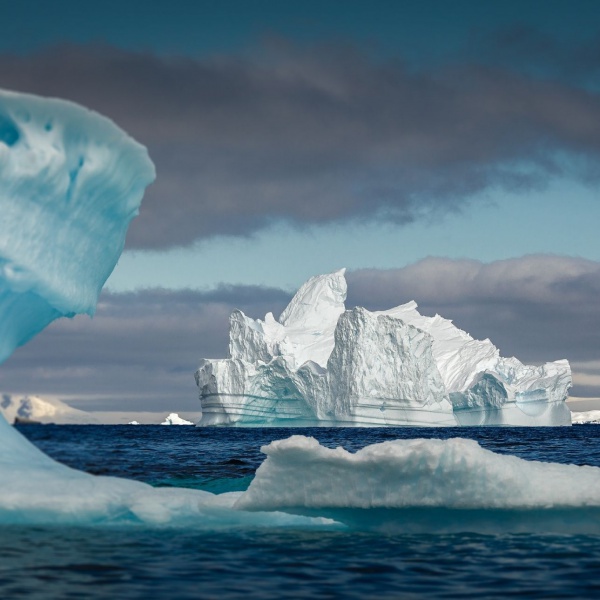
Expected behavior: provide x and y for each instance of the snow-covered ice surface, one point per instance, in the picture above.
(588, 416)
(321, 364)
(42, 410)
(419, 485)
(175, 419)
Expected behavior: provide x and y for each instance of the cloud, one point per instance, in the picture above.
(526, 49)
(318, 135)
(141, 350)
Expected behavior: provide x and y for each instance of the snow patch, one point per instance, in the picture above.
(42, 410)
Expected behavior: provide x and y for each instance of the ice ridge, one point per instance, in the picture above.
(418, 485)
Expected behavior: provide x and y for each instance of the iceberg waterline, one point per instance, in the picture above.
(320, 364)
(70, 182)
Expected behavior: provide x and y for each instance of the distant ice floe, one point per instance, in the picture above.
(175, 419)
(320, 364)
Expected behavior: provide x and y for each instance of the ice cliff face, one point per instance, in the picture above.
(70, 183)
(320, 364)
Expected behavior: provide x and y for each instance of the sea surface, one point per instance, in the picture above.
(179, 564)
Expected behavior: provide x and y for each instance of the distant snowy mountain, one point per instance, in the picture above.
(320, 364)
(589, 416)
(42, 410)
(175, 419)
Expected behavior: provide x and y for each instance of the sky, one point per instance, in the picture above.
(445, 152)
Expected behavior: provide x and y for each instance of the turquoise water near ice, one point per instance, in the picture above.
(146, 563)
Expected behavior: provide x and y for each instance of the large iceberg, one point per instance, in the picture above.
(320, 364)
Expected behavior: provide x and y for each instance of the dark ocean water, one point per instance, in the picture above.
(146, 563)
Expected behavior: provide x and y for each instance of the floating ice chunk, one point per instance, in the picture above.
(419, 484)
(175, 419)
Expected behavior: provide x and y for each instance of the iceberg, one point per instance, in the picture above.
(175, 419)
(17, 408)
(70, 183)
(320, 364)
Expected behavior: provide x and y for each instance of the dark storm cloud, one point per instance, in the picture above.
(141, 350)
(529, 50)
(318, 135)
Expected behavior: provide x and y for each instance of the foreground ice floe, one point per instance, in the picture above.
(321, 364)
(404, 486)
(425, 485)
